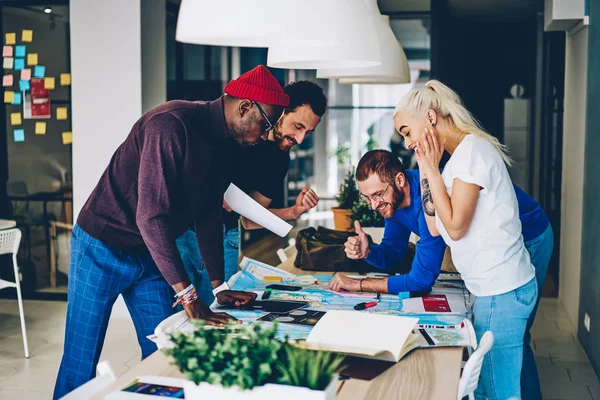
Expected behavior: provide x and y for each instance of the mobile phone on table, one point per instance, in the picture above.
(284, 287)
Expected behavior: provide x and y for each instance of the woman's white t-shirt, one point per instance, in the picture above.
(491, 257)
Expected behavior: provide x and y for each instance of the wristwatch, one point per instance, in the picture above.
(224, 286)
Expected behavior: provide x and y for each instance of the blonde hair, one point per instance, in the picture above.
(447, 104)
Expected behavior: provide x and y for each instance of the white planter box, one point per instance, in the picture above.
(375, 233)
(267, 392)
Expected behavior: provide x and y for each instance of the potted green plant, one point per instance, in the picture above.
(370, 220)
(347, 196)
(248, 362)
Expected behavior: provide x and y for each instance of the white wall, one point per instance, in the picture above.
(106, 85)
(572, 178)
(154, 51)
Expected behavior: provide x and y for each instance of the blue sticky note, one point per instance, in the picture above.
(20, 51)
(24, 86)
(19, 135)
(39, 71)
(17, 99)
(19, 64)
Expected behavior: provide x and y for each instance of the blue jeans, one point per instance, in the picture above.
(540, 251)
(97, 275)
(192, 260)
(506, 315)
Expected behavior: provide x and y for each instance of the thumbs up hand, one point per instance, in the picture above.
(357, 247)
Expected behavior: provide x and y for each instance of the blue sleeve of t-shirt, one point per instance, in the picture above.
(391, 250)
(426, 264)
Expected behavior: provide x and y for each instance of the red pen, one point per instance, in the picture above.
(363, 306)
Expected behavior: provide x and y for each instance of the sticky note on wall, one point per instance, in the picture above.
(65, 79)
(61, 113)
(67, 137)
(39, 71)
(49, 83)
(7, 51)
(8, 63)
(19, 135)
(9, 96)
(7, 80)
(19, 64)
(15, 118)
(32, 59)
(40, 128)
(26, 74)
(17, 99)
(20, 51)
(24, 86)
(11, 38)
(27, 35)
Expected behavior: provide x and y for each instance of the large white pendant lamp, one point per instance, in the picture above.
(345, 22)
(246, 23)
(394, 67)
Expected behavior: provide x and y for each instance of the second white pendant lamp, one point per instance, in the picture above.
(346, 23)
(394, 67)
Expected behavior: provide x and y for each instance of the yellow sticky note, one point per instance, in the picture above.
(11, 38)
(27, 35)
(61, 113)
(9, 96)
(49, 83)
(40, 128)
(15, 118)
(67, 137)
(65, 79)
(32, 59)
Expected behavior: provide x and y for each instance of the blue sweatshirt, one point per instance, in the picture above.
(429, 249)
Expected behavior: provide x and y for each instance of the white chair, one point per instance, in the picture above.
(105, 377)
(10, 239)
(288, 252)
(470, 375)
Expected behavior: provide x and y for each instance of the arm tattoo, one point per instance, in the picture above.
(428, 207)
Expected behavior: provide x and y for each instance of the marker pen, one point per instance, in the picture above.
(363, 306)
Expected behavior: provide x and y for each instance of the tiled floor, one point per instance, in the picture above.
(564, 369)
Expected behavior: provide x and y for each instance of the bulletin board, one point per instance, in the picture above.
(27, 86)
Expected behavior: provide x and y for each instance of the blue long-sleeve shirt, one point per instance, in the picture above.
(429, 249)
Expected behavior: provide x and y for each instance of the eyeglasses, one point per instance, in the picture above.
(377, 198)
(264, 114)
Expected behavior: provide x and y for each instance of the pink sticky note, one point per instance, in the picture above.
(7, 80)
(7, 51)
(26, 74)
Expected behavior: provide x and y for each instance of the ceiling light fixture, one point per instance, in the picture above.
(48, 10)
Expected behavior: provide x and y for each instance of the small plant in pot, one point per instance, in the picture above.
(248, 362)
(346, 198)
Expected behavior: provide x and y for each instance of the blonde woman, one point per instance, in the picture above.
(472, 204)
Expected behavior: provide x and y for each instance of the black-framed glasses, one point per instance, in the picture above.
(376, 197)
(270, 125)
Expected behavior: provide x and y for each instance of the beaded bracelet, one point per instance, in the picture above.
(188, 297)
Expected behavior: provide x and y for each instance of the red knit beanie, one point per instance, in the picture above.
(258, 85)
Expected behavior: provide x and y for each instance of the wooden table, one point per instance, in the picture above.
(423, 374)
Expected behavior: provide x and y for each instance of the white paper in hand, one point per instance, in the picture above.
(246, 206)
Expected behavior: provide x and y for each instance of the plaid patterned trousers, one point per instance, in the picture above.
(97, 275)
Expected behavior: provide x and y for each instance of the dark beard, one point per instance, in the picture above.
(280, 140)
(397, 199)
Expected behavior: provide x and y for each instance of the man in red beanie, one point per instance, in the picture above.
(168, 174)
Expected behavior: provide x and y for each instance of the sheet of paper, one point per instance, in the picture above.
(67, 137)
(26, 74)
(11, 38)
(32, 59)
(17, 99)
(19, 135)
(9, 96)
(40, 128)
(245, 205)
(24, 86)
(39, 71)
(378, 336)
(435, 304)
(259, 270)
(19, 64)
(49, 83)
(8, 63)
(27, 35)
(7, 51)
(15, 118)
(65, 79)
(20, 51)
(61, 113)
